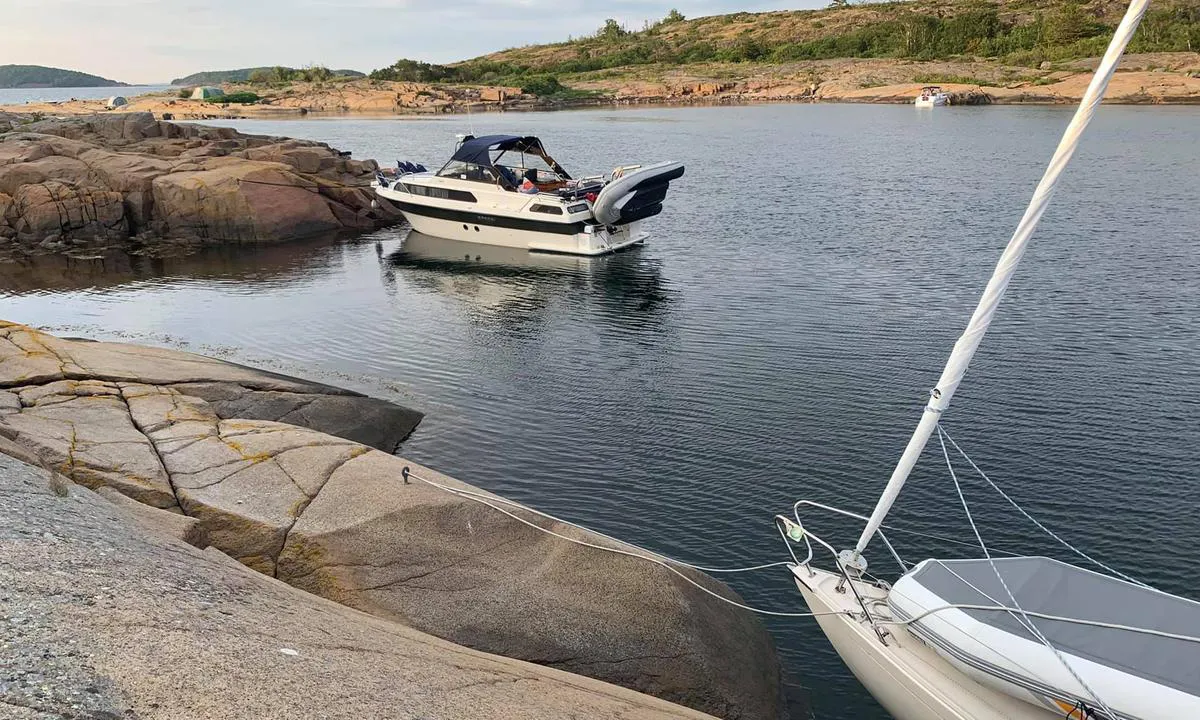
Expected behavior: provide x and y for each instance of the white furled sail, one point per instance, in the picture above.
(968, 343)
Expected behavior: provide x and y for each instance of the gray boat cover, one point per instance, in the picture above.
(1049, 586)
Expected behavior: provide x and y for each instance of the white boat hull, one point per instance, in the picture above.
(938, 100)
(598, 242)
(909, 679)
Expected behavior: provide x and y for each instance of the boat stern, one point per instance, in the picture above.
(593, 240)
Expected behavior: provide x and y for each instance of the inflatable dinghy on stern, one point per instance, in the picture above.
(636, 194)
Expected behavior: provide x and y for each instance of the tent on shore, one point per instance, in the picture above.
(207, 93)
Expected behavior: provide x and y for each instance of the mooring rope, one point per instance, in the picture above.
(644, 554)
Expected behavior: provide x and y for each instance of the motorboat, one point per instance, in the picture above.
(506, 190)
(932, 96)
(998, 638)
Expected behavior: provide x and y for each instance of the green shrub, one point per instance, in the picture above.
(242, 98)
(542, 86)
(939, 79)
(185, 93)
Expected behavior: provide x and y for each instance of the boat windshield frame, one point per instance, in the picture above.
(466, 163)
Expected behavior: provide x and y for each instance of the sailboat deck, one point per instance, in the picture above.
(1047, 586)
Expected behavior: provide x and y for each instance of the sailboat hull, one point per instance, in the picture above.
(909, 679)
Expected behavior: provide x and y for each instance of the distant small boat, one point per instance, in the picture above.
(506, 190)
(932, 96)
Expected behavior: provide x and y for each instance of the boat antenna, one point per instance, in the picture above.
(470, 122)
(968, 343)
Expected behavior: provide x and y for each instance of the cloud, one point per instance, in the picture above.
(156, 40)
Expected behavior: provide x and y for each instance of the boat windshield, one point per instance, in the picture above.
(468, 171)
(527, 165)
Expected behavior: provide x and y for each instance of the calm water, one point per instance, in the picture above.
(774, 340)
(16, 96)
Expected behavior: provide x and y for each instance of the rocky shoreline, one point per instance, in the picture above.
(108, 613)
(80, 184)
(1147, 78)
(273, 472)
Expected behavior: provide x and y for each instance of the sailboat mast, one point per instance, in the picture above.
(968, 342)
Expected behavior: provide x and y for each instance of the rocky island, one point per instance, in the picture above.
(127, 180)
(39, 76)
(189, 537)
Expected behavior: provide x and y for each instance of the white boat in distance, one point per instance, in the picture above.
(932, 96)
(506, 190)
(1010, 638)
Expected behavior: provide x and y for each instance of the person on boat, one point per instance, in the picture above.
(528, 186)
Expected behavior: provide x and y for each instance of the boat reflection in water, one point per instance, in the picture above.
(514, 286)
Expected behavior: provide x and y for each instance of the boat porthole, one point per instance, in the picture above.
(476, 228)
(465, 227)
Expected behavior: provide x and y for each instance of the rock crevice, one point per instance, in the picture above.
(333, 517)
(106, 618)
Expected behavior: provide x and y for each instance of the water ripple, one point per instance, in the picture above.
(775, 340)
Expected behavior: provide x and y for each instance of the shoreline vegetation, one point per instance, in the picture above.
(983, 52)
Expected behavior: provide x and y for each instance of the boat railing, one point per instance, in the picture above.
(904, 566)
(793, 530)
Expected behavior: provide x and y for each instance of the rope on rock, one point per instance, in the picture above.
(649, 556)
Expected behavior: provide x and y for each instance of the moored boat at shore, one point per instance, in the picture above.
(932, 96)
(506, 190)
(1000, 638)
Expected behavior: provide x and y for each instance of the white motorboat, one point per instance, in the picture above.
(1011, 638)
(506, 190)
(932, 96)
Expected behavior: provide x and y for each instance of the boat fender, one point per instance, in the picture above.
(609, 204)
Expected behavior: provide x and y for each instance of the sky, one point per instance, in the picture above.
(153, 41)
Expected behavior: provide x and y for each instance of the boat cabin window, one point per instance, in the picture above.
(438, 192)
(548, 209)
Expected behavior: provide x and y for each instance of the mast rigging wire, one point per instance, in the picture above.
(1034, 520)
(968, 343)
(1024, 617)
